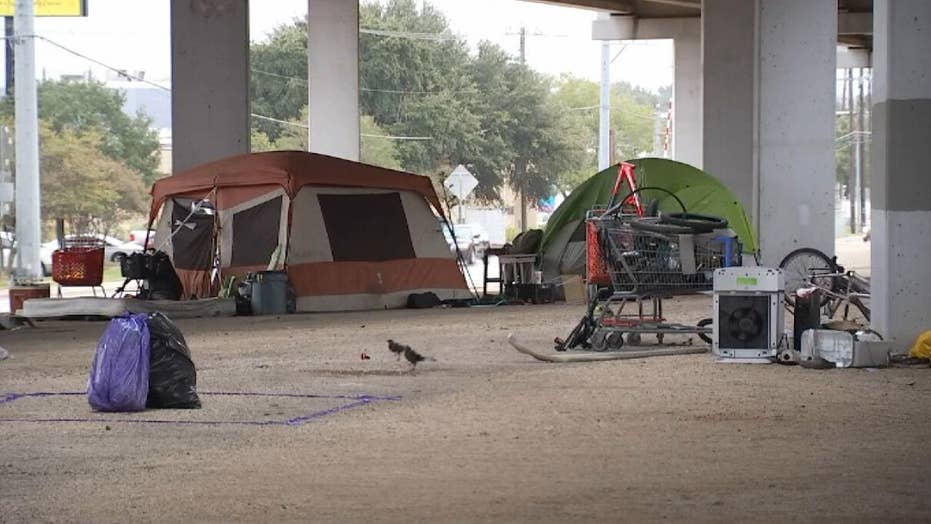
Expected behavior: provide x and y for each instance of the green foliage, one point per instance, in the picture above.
(508, 124)
(279, 77)
(260, 142)
(375, 150)
(633, 117)
(293, 136)
(91, 107)
(417, 87)
(81, 184)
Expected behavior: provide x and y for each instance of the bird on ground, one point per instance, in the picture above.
(414, 357)
(397, 349)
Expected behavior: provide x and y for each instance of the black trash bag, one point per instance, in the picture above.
(423, 300)
(243, 295)
(527, 242)
(163, 281)
(172, 377)
(134, 266)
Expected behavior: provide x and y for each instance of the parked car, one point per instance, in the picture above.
(114, 248)
(464, 240)
(138, 236)
(7, 243)
(478, 234)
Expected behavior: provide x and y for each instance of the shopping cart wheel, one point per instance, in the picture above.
(598, 340)
(633, 339)
(705, 322)
(614, 340)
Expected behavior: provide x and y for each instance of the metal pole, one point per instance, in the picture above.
(869, 124)
(28, 224)
(461, 200)
(850, 155)
(522, 172)
(861, 136)
(8, 56)
(604, 121)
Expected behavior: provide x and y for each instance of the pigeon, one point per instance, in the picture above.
(414, 357)
(396, 348)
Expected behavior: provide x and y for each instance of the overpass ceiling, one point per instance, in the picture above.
(692, 8)
(640, 8)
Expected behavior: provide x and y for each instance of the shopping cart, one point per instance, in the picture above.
(79, 263)
(635, 261)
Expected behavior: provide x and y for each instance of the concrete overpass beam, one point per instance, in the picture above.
(901, 192)
(209, 80)
(768, 115)
(333, 70)
(686, 95)
(686, 107)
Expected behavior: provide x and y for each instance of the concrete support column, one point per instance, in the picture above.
(686, 96)
(333, 71)
(729, 95)
(901, 194)
(768, 115)
(209, 80)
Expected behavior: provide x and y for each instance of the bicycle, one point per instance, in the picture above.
(810, 268)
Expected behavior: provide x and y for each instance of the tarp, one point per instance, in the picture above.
(699, 192)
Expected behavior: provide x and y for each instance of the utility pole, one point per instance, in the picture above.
(604, 119)
(869, 104)
(521, 167)
(28, 225)
(861, 135)
(851, 190)
(8, 56)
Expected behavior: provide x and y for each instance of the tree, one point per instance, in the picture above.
(376, 149)
(418, 86)
(445, 107)
(633, 115)
(83, 185)
(91, 107)
(278, 83)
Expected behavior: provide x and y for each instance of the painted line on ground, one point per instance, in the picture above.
(358, 401)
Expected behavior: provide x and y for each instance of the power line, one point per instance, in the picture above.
(366, 89)
(121, 72)
(126, 74)
(278, 75)
(409, 35)
(365, 135)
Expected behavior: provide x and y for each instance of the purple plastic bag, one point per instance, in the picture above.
(119, 379)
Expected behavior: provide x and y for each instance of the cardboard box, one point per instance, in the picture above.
(574, 289)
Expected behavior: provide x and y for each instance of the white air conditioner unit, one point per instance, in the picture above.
(748, 312)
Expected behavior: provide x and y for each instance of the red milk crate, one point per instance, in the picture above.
(78, 266)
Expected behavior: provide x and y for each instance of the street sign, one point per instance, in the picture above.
(49, 7)
(460, 182)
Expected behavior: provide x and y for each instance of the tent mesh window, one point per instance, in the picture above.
(255, 233)
(192, 242)
(366, 227)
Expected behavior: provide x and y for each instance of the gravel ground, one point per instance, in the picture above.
(483, 434)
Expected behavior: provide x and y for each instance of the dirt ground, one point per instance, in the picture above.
(483, 434)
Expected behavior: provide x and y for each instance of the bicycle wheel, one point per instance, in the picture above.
(803, 264)
(698, 223)
(655, 227)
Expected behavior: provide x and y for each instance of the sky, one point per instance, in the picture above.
(134, 35)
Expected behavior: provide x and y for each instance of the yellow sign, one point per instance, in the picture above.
(49, 7)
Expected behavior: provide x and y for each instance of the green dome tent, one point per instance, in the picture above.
(563, 244)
